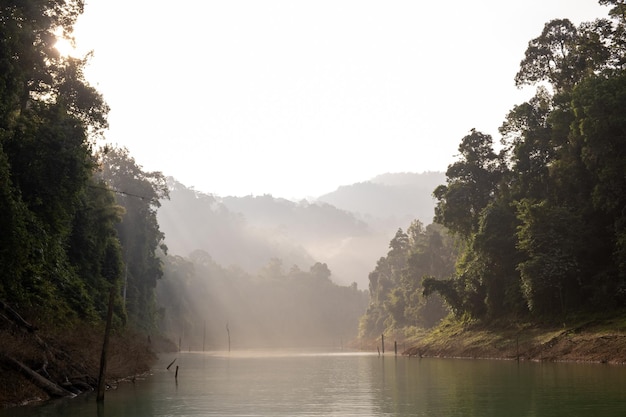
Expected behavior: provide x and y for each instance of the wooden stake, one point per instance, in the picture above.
(228, 331)
(105, 348)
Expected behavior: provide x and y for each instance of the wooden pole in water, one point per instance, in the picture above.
(176, 374)
(228, 331)
(105, 348)
(395, 348)
(382, 342)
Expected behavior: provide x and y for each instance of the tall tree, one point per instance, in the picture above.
(564, 54)
(471, 183)
(139, 193)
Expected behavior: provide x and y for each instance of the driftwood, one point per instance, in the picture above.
(16, 318)
(50, 354)
(48, 386)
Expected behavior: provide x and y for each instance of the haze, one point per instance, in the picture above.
(296, 98)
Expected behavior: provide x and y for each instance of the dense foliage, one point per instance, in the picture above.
(62, 246)
(46, 113)
(139, 193)
(396, 294)
(543, 221)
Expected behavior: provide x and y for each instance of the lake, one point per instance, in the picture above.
(353, 384)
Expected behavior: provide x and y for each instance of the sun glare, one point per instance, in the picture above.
(64, 47)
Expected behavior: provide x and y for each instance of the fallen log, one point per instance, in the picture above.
(45, 384)
(16, 318)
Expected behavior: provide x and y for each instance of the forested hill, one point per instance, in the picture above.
(192, 220)
(249, 231)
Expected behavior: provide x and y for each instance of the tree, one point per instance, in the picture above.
(495, 258)
(320, 271)
(527, 137)
(396, 299)
(433, 254)
(563, 54)
(141, 240)
(549, 237)
(94, 248)
(472, 182)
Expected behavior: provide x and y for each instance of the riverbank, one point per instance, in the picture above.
(598, 340)
(38, 365)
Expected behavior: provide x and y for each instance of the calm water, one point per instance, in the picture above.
(247, 384)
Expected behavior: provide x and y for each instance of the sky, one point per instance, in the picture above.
(296, 98)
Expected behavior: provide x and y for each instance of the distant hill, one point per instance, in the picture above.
(348, 229)
(192, 220)
(303, 221)
(389, 199)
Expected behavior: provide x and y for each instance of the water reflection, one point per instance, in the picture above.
(442, 387)
(304, 384)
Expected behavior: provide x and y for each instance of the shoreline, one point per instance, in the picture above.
(38, 367)
(596, 341)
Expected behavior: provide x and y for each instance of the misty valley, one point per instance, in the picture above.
(276, 272)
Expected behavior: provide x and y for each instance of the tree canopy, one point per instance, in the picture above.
(543, 221)
(62, 244)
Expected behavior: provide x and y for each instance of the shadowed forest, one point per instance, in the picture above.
(530, 229)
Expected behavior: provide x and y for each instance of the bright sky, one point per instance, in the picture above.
(295, 98)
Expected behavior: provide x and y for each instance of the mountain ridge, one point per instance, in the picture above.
(349, 229)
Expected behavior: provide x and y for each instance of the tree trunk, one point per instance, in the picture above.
(48, 386)
(105, 348)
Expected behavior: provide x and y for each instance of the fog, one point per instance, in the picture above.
(272, 272)
(348, 229)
